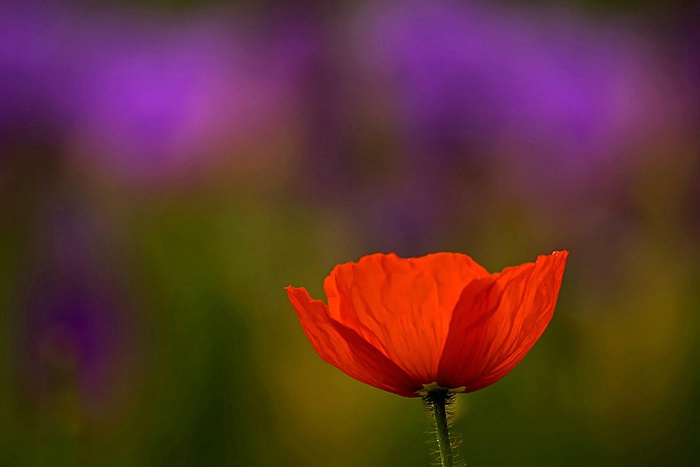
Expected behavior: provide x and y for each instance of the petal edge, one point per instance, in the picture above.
(498, 320)
(346, 350)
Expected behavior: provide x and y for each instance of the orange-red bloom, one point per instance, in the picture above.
(441, 320)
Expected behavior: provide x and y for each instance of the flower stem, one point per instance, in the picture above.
(437, 401)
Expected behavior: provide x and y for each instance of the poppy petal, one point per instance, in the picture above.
(402, 307)
(346, 350)
(497, 321)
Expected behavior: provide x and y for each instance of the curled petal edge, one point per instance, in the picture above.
(343, 348)
(459, 366)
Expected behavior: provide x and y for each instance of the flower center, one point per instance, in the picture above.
(434, 386)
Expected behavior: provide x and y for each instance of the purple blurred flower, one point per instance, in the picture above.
(73, 325)
(150, 99)
(154, 101)
(486, 105)
(72, 331)
(31, 71)
(558, 93)
(406, 219)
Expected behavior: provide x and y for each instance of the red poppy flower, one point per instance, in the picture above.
(439, 321)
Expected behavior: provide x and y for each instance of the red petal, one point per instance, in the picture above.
(346, 350)
(497, 321)
(402, 307)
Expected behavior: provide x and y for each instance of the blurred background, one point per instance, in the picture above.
(168, 167)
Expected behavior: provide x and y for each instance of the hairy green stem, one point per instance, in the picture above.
(437, 400)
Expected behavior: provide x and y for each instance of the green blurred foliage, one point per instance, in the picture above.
(223, 375)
